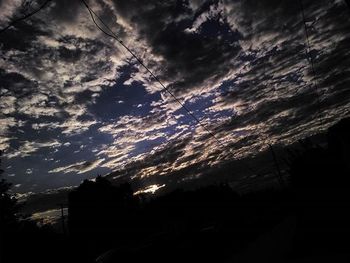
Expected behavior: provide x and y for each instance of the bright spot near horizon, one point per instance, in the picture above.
(150, 189)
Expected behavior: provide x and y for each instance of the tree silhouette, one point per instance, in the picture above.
(8, 210)
(21, 239)
(8, 203)
(101, 215)
(320, 181)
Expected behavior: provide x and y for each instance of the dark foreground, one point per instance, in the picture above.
(304, 220)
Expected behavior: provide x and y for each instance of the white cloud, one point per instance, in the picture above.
(79, 168)
(149, 189)
(7, 104)
(7, 10)
(74, 126)
(30, 147)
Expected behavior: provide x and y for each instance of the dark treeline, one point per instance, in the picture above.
(307, 217)
(210, 223)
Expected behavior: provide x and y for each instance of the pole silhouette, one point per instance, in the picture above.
(278, 169)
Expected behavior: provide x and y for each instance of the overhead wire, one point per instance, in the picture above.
(14, 22)
(114, 36)
(310, 59)
(164, 88)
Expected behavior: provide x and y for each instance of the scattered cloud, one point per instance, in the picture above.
(239, 66)
(28, 148)
(79, 168)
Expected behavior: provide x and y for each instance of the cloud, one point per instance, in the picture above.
(47, 75)
(7, 104)
(79, 168)
(8, 9)
(5, 143)
(239, 66)
(27, 148)
(185, 61)
(74, 126)
(48, 217)
(149, 189)
(6, 123)
(271, 94)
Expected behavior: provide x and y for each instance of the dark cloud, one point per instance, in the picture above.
(190, 59)
(240, 66)
(66, 10)
(21, 36)
(17, 84)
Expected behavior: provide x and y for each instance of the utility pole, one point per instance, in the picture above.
(62, 219)
(279, 173)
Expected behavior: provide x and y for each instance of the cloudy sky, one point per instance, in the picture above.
(75, 104)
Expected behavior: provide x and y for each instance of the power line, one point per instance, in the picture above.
(311, 60)
(164, 88)
(114, 36)
(25, 16)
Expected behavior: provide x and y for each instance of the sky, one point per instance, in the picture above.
(75, 104)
